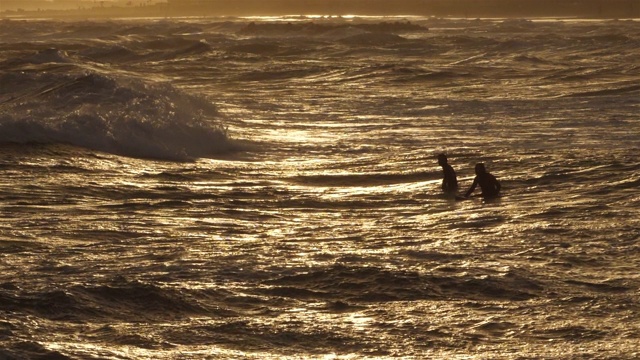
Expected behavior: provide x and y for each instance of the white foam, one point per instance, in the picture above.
(119, 115)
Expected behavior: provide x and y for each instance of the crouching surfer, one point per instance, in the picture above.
(488, 183)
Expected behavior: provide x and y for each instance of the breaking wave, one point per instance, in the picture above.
(57, 101)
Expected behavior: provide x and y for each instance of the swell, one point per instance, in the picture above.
(322, 29)
(607, 92)
(119, 300)
(122, 300)
(125, 50)
(353, 284)
(71, 102)
(362, 179)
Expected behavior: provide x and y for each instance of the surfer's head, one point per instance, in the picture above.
(480, 169)
(442, 159)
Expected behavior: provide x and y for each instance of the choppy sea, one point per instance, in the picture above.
(267, 188)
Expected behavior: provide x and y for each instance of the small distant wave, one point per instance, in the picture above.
(322, 29)
(371, 284)
(256, 47)
(168, 43)
(361, 179)
(372, 39)
(106, 112)
(606, 92)
(200, 47)
(110, 53)
(347, 33)
(119, 299)
(607, 38)
(155, 50)
(51, 55)
(421, 75)
(267, 75)
(30, 350)
(530, 59)
(515, 25)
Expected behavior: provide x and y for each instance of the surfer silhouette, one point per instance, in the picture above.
(450, 181)
(488, 183)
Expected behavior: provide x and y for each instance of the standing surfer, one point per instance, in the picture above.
(450, 181)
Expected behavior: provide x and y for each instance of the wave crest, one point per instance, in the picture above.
(110, 113)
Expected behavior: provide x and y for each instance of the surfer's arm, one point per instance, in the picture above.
(496, 184)
(473, 187)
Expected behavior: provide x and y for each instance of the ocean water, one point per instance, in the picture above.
(268, 188)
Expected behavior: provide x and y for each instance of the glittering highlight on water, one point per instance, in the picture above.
(268, 188)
